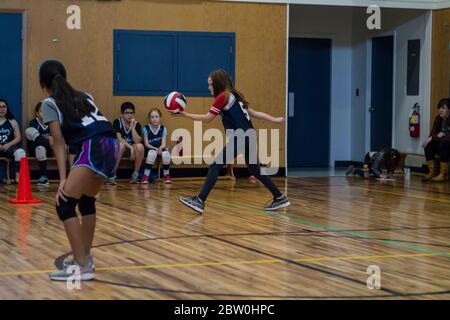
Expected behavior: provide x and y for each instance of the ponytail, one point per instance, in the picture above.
(240, 97)
(72, 104)
(222, 83)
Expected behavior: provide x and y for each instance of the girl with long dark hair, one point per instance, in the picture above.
(74, 119)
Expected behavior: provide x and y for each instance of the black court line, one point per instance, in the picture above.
(138, 188)
(257, 186)
(219, 294)
(323, 231)
(59, 260)
(296, 186)
(417, 189)
(327, 272)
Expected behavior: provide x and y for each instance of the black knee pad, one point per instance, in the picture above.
(66, 209)
(86, 205)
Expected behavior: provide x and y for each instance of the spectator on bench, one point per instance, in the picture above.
(10, 137)
(129, 132)
(438, 143)
(39, 143)
(155, 135)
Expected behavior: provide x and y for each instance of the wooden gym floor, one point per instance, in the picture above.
(149, 246)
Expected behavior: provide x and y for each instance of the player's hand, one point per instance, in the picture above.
(61, 193)
(133, 122)
(279, 120)
(5, 147)
(426, 142)
(159, 151)
(176, 113)
(441, 135)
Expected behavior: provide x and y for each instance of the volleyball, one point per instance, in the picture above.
(175, 101)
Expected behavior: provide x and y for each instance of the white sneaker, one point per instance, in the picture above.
(69, 272)
(89, 259)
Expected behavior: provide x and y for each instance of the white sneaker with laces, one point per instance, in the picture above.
(69, 272)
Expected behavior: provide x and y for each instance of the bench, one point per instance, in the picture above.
(7, 164)
(411, 159)
(230, 168)
(6, 160)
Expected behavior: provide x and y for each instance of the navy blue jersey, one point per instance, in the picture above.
(6, 132)
(43, 129)
(155, 138)
(234, 115)
(125, 131)
(79, 130)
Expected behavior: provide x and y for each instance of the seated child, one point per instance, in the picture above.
(128, 132)
(39, 143)
(154, 135)
(10, 137)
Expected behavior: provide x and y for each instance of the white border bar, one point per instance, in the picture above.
(430, 5)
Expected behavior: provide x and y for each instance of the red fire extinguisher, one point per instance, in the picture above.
(414, 122)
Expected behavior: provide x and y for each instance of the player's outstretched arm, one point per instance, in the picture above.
(264, 116)
(208, 117)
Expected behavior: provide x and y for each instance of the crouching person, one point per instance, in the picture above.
(377, 161)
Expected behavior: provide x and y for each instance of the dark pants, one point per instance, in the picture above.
(13, 165)
(32, 145)
(440, 148)
(254, 168)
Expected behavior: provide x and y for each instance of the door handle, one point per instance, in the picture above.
(291, 104)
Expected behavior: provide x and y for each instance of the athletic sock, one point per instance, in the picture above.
(43, 168)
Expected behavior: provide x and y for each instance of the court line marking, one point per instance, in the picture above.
(242, 262)
(256, 296)
(429, 253)
(401, 194)
(330, 228)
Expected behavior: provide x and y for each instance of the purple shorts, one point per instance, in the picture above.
(99, 154)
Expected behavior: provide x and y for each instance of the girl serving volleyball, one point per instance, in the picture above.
(74, 119)
(235, 113)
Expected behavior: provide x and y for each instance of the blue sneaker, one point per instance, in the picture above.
(135, 178)
(43, 182)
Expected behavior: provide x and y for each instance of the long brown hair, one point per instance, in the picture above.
(37, 108)
(391, 159)
(72, 103)
(222, 83)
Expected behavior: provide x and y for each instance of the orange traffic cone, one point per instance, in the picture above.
(24, 194)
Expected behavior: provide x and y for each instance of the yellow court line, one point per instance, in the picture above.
(223, 263)
(402, 194)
